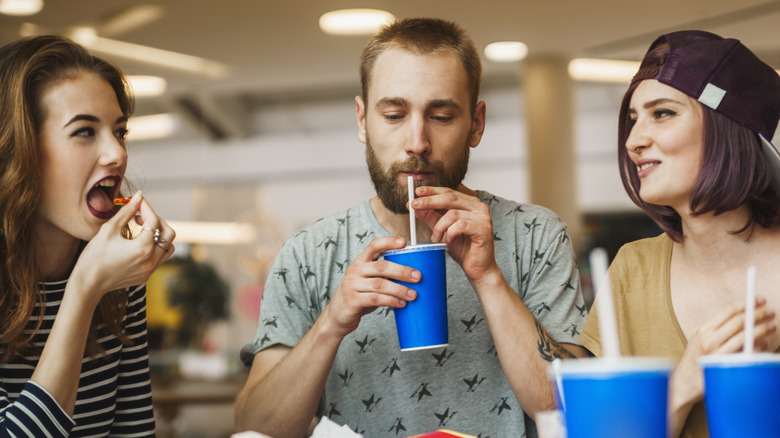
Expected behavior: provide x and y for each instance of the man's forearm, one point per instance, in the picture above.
(524, 347)
(282, 400)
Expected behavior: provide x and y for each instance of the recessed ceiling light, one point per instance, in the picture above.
(602, 70)
(147, 86)
(354, 21)
(20, 7)
(506, 51)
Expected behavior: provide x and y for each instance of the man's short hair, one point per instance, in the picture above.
(422, 36)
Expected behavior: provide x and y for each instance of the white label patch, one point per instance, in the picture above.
(711, 96)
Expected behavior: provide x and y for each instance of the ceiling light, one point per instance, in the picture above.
(147, 86)
(354, 21)
(151, 127)
(506, 51)
(131, 18)
(20, 7)
(152, 55)
(602, 70)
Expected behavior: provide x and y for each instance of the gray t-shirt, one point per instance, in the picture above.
(379, 391)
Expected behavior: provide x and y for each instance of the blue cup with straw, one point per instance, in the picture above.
(422, 323)
(742, 390)
(612, 396)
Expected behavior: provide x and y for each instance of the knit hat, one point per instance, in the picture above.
(726, 76)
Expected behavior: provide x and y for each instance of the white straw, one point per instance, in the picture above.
(412, 226)
(750, 309)
(606, 307)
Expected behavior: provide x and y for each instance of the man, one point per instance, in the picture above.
(326, 343)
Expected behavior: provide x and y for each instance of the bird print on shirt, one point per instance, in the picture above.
(328, 241)
(501, 406)
(474, 382)
(445, 417)
(471, 324)
(541, 307)
(398, 426)
(282, 273)
(421, 392)
(346, 376)
(342, 265)
(573, 329)
(364, 344)
(516, 210)
(442, 357)
(309, 273)
(332, 411)
(371, 404)
(393, 367)
(363, 235)
(265, 339)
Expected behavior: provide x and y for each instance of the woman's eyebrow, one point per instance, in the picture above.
(78, 117)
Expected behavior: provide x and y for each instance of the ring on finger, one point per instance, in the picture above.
(155, 232)
(164, 244)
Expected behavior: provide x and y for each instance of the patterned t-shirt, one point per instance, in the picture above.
(114, 394)
(379, 391)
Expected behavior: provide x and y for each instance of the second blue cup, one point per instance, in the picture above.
(422, 323)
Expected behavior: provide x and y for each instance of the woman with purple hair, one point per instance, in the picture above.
(694, 150)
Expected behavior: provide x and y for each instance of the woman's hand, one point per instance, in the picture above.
(110, 261)
(723, 334)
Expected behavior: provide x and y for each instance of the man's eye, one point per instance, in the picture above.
(442, 119)
(393, 117)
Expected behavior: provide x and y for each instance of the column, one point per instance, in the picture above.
(552, 159)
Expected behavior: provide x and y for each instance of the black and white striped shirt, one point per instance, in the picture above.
(114, 394)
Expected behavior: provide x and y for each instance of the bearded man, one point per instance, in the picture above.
(326, 342)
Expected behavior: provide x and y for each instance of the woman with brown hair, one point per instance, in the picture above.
(73, 349)
(694, 150)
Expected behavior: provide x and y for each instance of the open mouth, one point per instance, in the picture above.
(100, 197)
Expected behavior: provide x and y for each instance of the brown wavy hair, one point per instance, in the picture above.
(422, 36)
(28, 69)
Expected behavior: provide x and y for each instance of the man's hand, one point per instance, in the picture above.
(463, 222)
(367, 285)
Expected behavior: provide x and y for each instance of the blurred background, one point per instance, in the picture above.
(247, 133)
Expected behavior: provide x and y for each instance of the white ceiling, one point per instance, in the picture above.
(274, 48)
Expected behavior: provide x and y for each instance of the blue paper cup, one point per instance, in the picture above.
(613, 398)
(422, 323)
(742, 394)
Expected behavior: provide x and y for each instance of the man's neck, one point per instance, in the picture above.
(397, 224)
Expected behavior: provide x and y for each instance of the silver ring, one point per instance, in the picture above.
(164, 244)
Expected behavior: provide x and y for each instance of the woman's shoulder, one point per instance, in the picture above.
(644, 250)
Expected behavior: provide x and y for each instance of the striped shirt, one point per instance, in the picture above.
(114, 394)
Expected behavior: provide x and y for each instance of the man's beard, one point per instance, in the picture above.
(393, 195)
